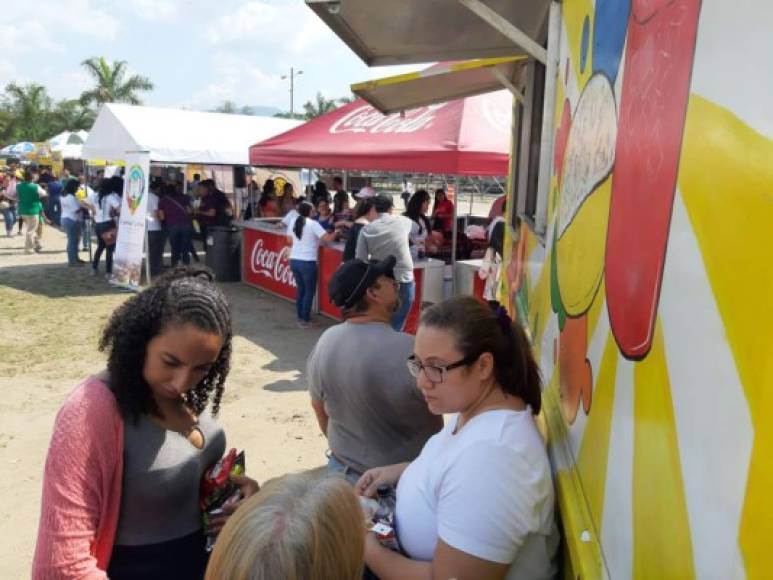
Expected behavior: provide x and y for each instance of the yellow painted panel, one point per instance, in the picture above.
(579, 537)
(594, 451)
(573, 13)
(594, 313)
(726, 181)
(539, 305)
(661, 530)
(581, 251)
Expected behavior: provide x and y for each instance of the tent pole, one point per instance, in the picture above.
(88, 219)
(147, 253)
(453, 237)
(472, 196)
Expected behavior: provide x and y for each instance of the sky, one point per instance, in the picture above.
(198, 53)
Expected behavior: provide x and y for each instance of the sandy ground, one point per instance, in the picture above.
(50, 319)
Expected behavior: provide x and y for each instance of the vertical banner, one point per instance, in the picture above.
(127, 262)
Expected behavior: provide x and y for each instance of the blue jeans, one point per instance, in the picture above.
(180, 239)
(85, 234)
(73, 231)
(335, 466)
(305, 274)
(407, 295)
(54, 209)
(9, 215)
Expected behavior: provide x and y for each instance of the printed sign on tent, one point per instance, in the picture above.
(127, 264)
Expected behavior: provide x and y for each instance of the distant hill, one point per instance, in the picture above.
(263, 111)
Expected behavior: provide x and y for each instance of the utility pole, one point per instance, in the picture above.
(293, 73)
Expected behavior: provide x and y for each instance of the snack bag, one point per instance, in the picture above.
(381, 515)
(218, 491)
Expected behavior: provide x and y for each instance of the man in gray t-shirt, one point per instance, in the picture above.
(388, 235)
(366, 401)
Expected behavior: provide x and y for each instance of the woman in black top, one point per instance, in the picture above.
(364, 213)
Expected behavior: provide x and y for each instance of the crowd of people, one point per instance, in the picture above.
(474, 495)
(89, 212)
(369, 230)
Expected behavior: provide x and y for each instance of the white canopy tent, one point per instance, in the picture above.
(178, 136)
(68, 143)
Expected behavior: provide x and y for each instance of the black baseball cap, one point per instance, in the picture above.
(349, 283)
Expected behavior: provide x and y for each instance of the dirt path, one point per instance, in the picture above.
(50, 319)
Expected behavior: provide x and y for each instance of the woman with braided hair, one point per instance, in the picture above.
(478, 501)
(130, 444)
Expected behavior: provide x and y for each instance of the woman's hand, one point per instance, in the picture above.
(248, 487)
(374, 478)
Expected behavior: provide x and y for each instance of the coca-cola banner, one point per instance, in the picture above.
(266, 265)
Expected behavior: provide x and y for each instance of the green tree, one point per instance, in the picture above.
(231, 108)
(288, 115)
(71, 115)
(27, 113)
(112, 86)
(318, 107)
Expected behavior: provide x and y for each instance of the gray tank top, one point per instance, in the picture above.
(161, 476)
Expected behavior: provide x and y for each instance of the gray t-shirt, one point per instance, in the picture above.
(161, 476)
(377, 415)
(388, 236)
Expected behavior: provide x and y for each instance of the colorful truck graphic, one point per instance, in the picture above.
(650, 302)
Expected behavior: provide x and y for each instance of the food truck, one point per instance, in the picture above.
(638, 255)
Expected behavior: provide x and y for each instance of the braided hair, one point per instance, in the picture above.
(184, 295)
(480, 327)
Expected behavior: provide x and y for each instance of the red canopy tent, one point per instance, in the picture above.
(469, 136)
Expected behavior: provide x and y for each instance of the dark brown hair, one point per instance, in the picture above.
(480, 327)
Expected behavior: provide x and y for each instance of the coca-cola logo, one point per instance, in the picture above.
(271, 264)
(366, 119)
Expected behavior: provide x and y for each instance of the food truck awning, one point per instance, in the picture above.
(178, 136)
(463, 137)
(410, 31)
(443, 82)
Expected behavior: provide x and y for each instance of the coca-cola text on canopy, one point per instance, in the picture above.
(366, 119)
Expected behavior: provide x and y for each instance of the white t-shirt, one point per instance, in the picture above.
(70, 208)
(154, 225)
(307, 248)
(102, 212)
(290, 217)
(486, 491)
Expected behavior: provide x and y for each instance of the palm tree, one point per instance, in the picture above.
(29, 109)
(318, 107)
(71, 115)
(111, 85)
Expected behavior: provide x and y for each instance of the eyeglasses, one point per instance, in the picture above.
(436, 373)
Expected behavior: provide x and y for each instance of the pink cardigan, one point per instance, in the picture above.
(81, 487)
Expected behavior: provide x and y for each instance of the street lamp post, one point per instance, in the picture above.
(293, 73)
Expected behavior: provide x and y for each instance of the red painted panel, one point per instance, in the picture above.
(478, 286)
(653, 106)
(266, 262)
(329, 260)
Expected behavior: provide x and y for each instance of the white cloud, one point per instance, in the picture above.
(26, 37)
(154, 9)
(9, 74)
(290, 26)
(238, 80)
(45, 24)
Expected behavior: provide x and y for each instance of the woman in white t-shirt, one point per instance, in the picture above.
(478, 501)
(305, 235)
(106, 206)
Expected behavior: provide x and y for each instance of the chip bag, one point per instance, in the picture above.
(217, 490)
